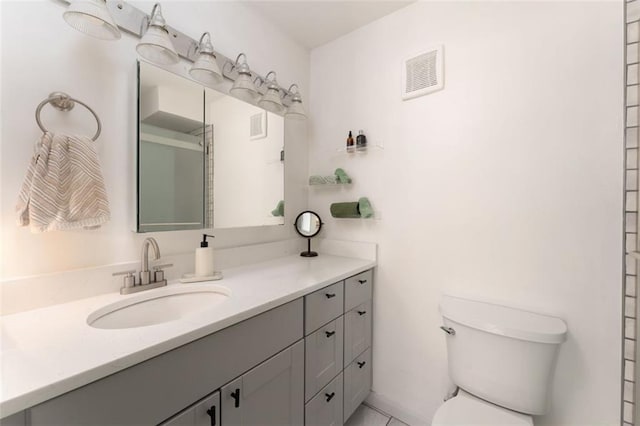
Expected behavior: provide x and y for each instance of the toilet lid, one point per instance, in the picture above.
(467, 410)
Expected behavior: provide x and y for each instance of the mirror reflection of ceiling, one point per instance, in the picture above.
(314, 23)
(158, 85)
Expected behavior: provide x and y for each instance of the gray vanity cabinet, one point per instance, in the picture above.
(203, 413)
(259, 371)
(322, 306)
(325, 409)
(338, 351)
(357, 331)
(269, 394)
(323, 356)
(357, 382)
(357, 289)
(18, 419)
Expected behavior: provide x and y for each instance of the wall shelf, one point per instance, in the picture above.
(374, 147)
(326, 185)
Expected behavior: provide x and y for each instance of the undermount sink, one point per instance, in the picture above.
(158, 306)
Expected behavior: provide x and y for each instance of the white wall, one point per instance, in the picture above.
(505, 186)
(42, 54)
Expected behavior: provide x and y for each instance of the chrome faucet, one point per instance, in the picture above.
(147, 281)
(145, 275)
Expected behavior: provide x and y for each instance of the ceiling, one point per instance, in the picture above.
(314, 23)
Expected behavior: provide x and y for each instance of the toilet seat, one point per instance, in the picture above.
(467, 410)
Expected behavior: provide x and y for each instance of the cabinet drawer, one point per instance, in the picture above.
(322, 306)
(357, 383)
(323, 356)
(325, 409)
(357, 331)
(357, 289)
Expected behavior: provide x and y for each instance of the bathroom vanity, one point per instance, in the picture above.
(291, 345)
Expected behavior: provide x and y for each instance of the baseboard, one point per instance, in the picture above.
(384, 404)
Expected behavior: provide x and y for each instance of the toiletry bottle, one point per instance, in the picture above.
(204, 258)
(361, 141)
(350, 144)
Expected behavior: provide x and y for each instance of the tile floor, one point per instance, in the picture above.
(367, 416)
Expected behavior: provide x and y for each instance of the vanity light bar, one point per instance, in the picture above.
(134, 21)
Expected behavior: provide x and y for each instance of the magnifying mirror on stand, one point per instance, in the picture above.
(308, 225)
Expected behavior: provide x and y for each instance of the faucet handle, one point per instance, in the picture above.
(158, 274)
(129, 278)
(130, 272)
(160, 267)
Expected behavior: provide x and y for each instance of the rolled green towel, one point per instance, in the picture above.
(316, 180)
(279, 210)
(345, 210)
(331, 179)
(364, 206)
(342, 176)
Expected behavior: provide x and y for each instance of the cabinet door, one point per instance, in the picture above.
(325, 409)
(269, 394)
(357, 331)
(323, 356)
(357, 383)
(205, 412)
(18, 419)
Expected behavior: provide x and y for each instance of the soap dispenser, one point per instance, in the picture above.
(204, 258)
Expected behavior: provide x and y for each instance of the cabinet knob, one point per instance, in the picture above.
(330, 295)
(361, 364)
(362, 312)
(236, 396)
(330, 396)
(362, 281)
(212, 413)
(330, 333)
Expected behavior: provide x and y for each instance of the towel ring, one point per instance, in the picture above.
(63, 102)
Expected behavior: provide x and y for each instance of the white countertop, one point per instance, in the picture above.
(50, 351)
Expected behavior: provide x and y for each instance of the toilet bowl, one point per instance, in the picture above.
(502, 359)
(466, 410)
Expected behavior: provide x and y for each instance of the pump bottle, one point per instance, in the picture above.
(204, 258)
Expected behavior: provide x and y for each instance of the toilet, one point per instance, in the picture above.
(502, 360)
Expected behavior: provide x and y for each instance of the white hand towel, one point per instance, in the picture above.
(64, 188)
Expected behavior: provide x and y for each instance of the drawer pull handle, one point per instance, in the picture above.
(329, 333)
(330, 396)
(361, 364)
(330, 295)
(212, 413)
(362, 312)
(362, 281)
(236, 396)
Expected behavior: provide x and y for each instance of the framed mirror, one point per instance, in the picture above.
(205, 159)
(308, 225)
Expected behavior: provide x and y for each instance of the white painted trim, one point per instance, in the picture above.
(384, 404)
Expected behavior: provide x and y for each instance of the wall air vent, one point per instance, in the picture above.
(258, 126)
(423, 73)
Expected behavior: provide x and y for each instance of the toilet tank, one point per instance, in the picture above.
(503, 355)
